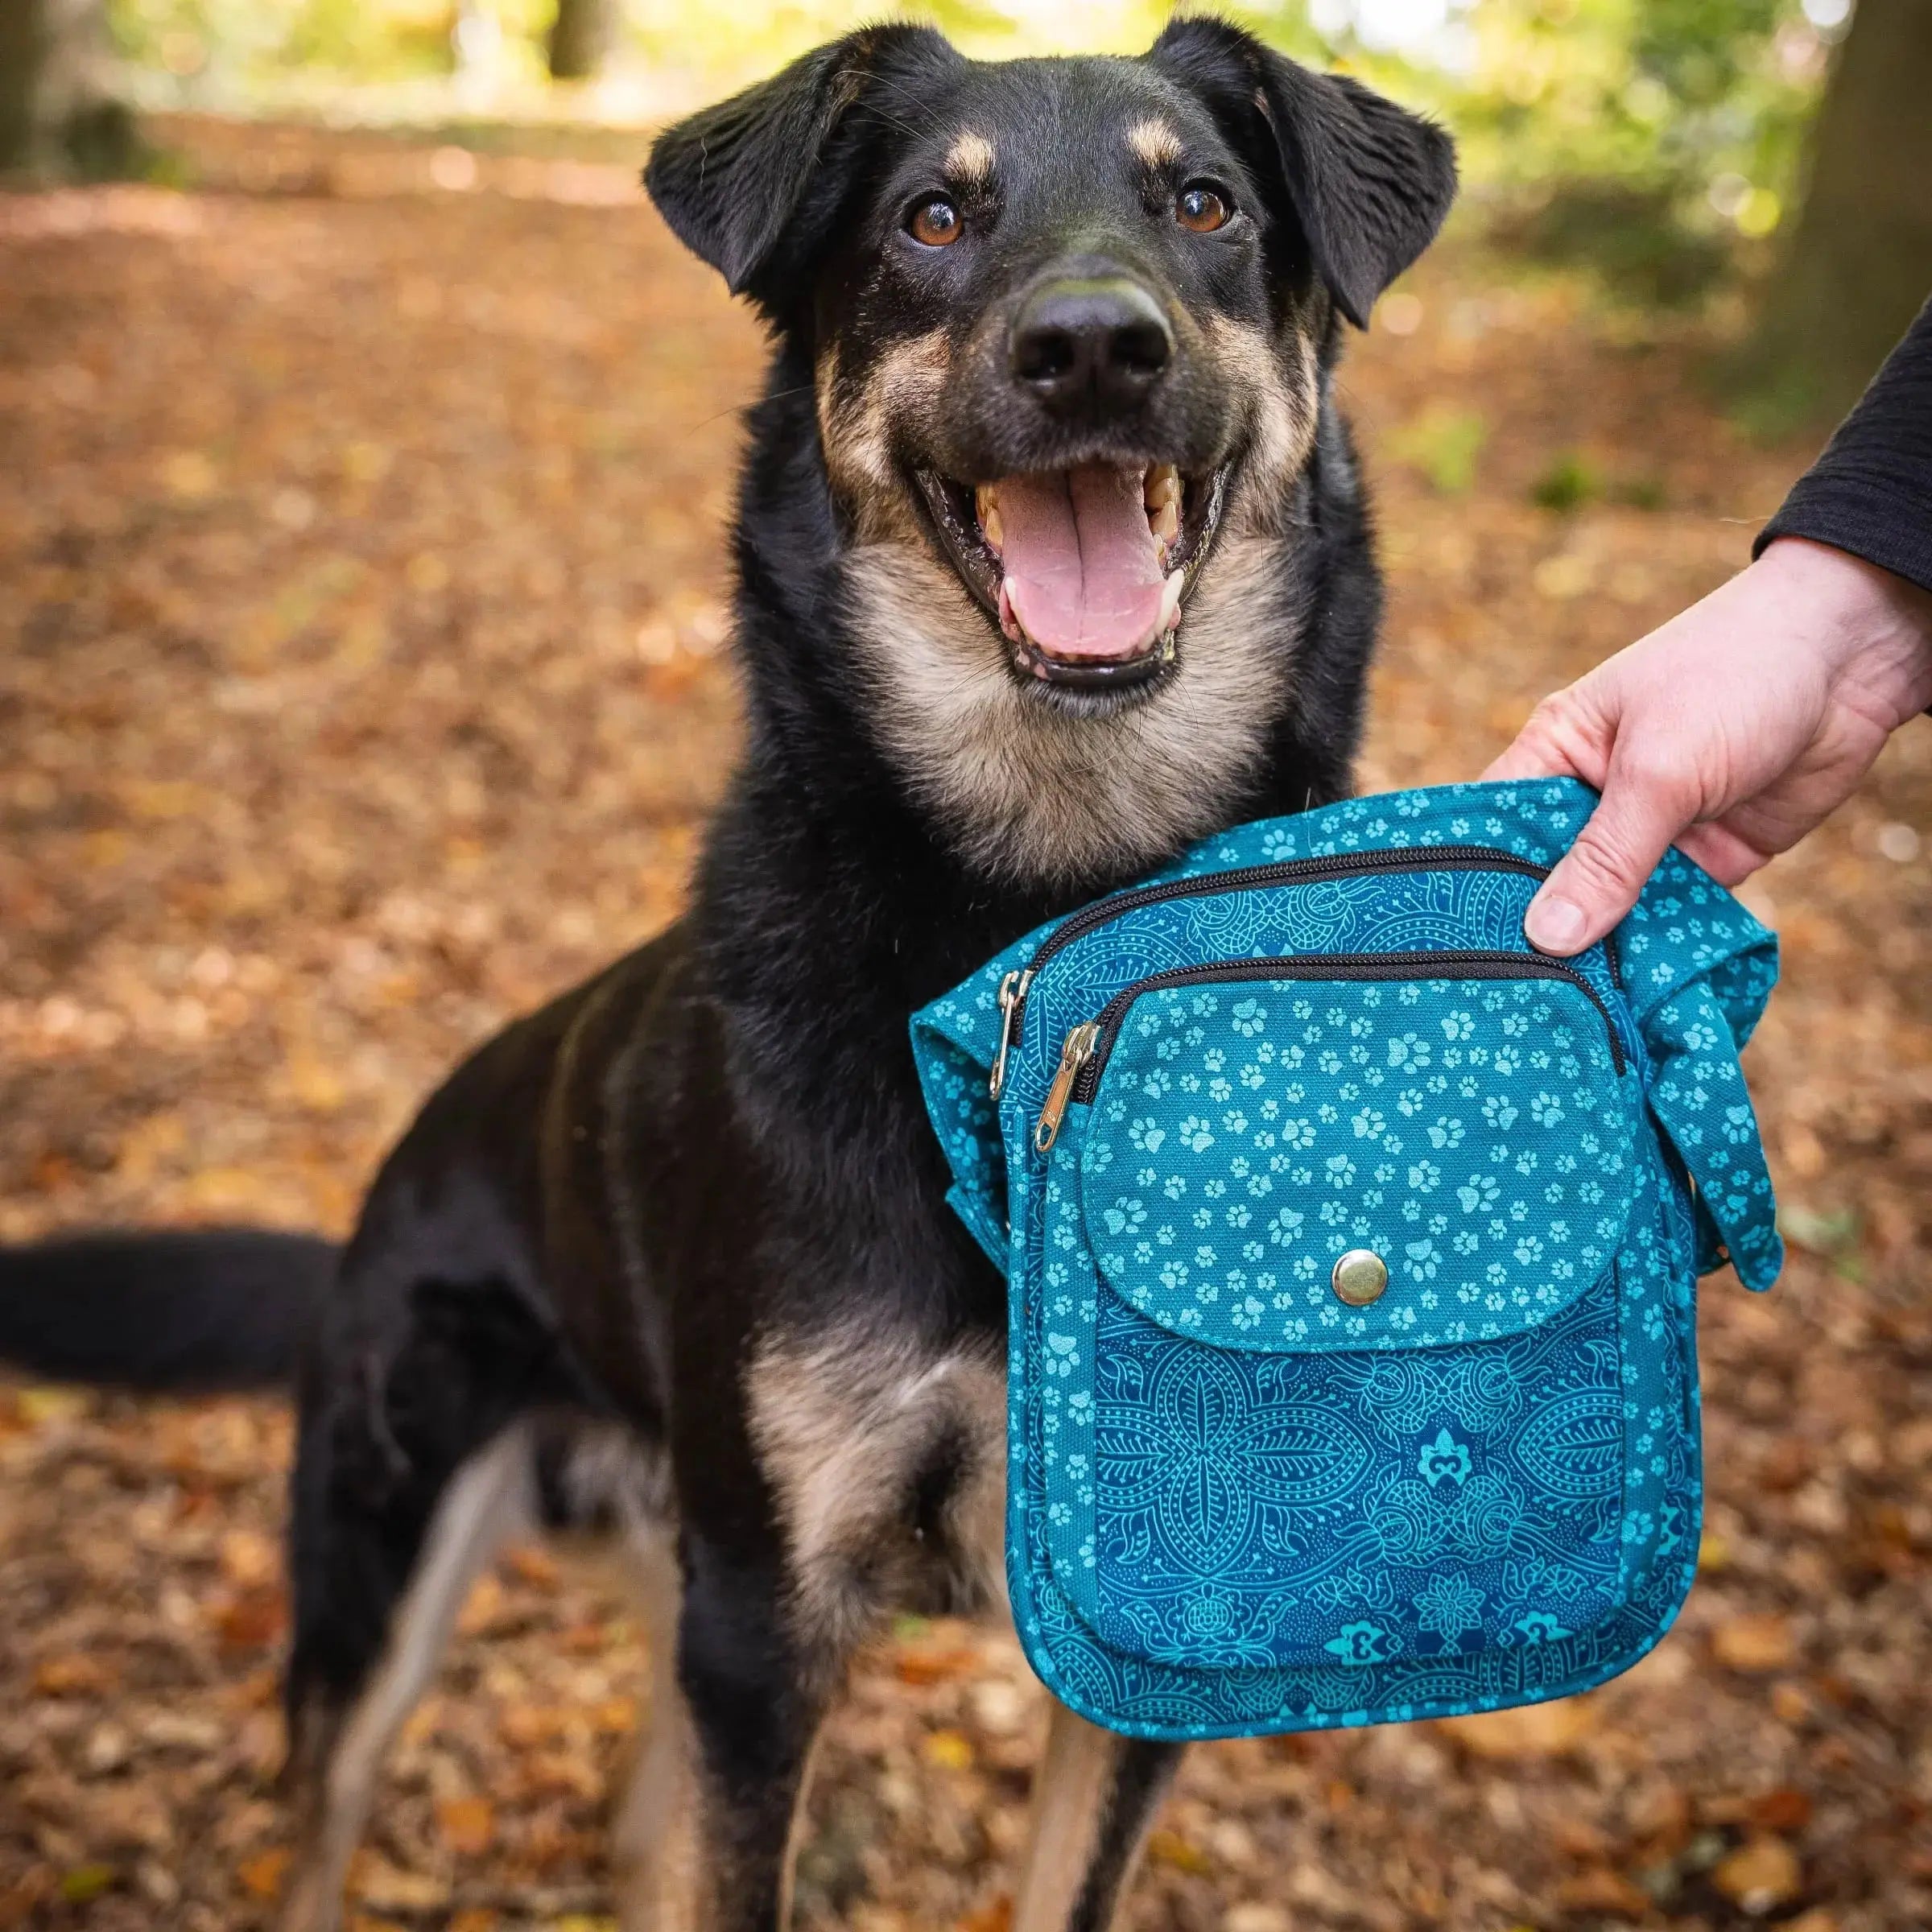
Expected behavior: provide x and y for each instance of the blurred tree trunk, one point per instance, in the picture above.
(22, 56)
(58, 109)
(582, 35)
(1859, 261)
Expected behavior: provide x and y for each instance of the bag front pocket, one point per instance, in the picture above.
(1348, 1384)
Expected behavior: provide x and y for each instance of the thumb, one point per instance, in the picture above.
(1597, 881)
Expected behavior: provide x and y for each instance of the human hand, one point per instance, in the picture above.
(1730, 732)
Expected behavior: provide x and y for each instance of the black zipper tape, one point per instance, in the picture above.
(1421, 966)
(1285, 872)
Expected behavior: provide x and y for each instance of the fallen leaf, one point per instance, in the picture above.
(1789, 1704)
(1577, 1838)
(1531, 1731)
(249, 1621)
(950, 1750)
(565, 1772)
(1784, 1810)
(525, 1726)
(251, 1559)
(481, 1608)
(388, 1888)
(262, 1875)
(1604, 1891)
(73, 1673)
(996, 1915)
(1755, 1644)
(924, 1667)
(1759, 1876)
(365, 462)
(1255, 1916)
(1167, 1848)
(468, 1826)
(1563, 577)
(189, 475)
(1660, 1819)
(86, 1882)
(530, 1564)
(1000, 1707)
(475, 1918)
(39, 1405)
(615, 1716)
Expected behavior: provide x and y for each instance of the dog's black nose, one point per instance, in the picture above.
(1099, 339)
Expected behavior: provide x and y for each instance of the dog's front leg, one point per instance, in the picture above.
(724, 1778)
(1094, 1797)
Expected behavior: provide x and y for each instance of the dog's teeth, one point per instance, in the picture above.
(1160, 487)
(1009, 623)
(1165, 522)
(986, 505)
(1170, 603)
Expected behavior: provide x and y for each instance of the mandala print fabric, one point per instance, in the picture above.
(1351, 1249)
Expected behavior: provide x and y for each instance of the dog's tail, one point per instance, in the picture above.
(191, 1310)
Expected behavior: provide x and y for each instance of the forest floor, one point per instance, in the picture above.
(360, 685)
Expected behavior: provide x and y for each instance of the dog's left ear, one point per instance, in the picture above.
(742, 184)
(1368, 182)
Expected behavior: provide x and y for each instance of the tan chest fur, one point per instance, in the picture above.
(889, 1463)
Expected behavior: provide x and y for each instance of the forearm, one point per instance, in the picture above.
(1870, 493)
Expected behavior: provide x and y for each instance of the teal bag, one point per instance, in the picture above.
(1352, 1249)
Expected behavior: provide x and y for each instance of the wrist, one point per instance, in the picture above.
(1870, 627)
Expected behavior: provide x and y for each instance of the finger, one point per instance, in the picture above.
(1560, 739)
(1597, 881)
(1728, 859)
(1530, 758)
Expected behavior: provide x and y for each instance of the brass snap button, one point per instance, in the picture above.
(1360, 1277)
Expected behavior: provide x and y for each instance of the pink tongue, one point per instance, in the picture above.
(1082, 569)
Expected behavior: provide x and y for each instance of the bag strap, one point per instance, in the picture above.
(952, 1050)
(1700, 1098)
(1699, 969)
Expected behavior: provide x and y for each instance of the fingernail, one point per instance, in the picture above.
(1555, 926)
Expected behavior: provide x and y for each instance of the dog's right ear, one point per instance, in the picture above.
(732, 180)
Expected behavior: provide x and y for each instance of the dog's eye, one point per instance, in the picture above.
(936, 222)
(1201, 209)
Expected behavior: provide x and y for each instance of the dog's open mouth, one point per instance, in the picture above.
(1086, 569)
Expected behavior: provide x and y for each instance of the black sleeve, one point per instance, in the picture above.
(1870, 491)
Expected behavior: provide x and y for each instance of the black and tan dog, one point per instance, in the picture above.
(1052, 556)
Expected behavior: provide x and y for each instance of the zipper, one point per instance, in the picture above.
(1013, 994)
(1088, 1046)
(1073, 1057)
(1244, 878)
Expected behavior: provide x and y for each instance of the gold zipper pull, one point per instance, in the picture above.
(1073, 1055)
(1012, 990)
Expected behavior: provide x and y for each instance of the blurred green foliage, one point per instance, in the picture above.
(1648, 137)
(1444, 444)
(1662, 94)
(1569, 483)
(234, 48)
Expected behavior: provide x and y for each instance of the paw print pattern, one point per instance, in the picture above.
(1560, 1552)
(1486, 1174)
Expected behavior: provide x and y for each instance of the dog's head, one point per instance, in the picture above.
(1067, 324)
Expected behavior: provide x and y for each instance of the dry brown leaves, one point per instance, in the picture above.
(359, 606)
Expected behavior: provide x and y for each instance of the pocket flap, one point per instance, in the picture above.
(1477, 1136)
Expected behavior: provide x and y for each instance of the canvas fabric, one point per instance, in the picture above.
(1238, 1503)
